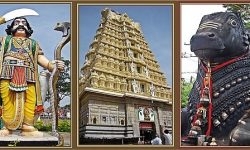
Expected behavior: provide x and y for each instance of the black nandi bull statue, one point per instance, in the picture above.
(220, 97)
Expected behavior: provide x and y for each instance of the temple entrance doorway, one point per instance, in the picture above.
(147, 131)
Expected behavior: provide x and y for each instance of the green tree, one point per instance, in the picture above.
(243, 9)
(63, 83)
(185, 90)
(62, 86)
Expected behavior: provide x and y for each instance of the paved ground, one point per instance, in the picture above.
(67, 138)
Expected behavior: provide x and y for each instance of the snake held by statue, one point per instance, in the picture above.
(65, 28)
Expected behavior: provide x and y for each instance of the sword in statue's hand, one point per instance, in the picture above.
(17, 13)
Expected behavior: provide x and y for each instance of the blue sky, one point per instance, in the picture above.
(156, 25)
(43, 26)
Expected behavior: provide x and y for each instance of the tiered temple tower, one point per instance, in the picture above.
(122, 92)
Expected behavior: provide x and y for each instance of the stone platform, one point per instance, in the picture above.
(15, 139)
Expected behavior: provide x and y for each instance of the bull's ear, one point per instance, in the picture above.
(241, 22)
(238, 14)
(246, 37)
(248, 34)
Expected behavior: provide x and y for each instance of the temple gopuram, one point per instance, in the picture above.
(123, 96)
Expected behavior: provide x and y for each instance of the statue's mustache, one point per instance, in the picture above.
(19, 27)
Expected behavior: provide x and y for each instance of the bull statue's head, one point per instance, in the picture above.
(220, 37)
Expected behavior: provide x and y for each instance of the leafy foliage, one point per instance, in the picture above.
(63, 83)
(243, 9)
(63, 126)
(185, 90)
(42, 127)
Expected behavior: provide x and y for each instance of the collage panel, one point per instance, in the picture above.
(215, 75)
(125, 74)
(35, 89)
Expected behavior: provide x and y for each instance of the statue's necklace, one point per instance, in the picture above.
(20, 42)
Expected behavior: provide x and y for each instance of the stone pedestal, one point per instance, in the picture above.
(15, 139)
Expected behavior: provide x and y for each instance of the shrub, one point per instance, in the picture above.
(63, 126)
(41, 127)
